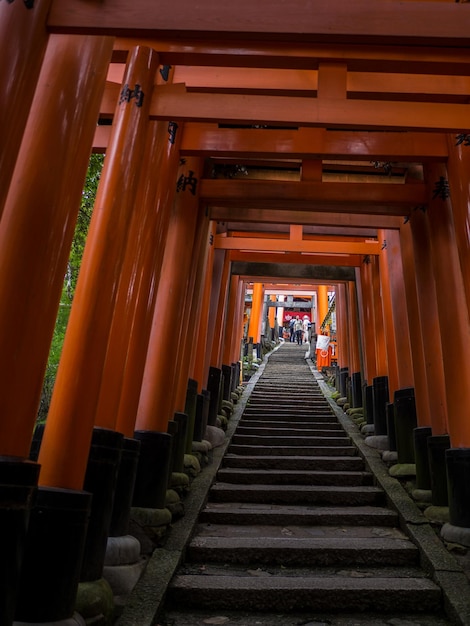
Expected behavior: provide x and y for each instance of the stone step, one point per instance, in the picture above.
(257, 426)
(292, 450)
(279, 415)
(289, 441)
(309, 592)
(277, 514)
(298, 494)
(319, 463)
(276, 476)
(302, 551)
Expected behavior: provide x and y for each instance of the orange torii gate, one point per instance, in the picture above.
(352, 131)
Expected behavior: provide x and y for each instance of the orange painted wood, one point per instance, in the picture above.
(379, 322)
(254, 328)
(337, 21)
(64, 450)
(316, 196)
(220, 313)
(353, 328)
(160, 375)
(342, 339)
(201, 366)
(272, 312)
(176, 103)
(458, 168)
(38, 222)
(233, 300)
(135, 363)
(386, 298)
(452, 310)
(351, 220)
(322, 305)
(192, 305)
(206, 139)
(131, 311)
(296, 245)
(332, 80)
(392, 256)
(367, 320)
(237, 335)
(20, 75)
(419, 361)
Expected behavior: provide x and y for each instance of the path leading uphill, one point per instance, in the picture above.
(296, 529)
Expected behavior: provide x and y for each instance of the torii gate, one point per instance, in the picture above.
(322, 105)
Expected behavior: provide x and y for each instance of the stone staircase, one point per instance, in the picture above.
(295, 531)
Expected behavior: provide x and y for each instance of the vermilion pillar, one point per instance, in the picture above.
(451, 305)
(237, 334)
(367, 319)
(230, 329)
(380, 344)
(201, 364)
(219, 321)
(342, 326)
(419, 361)
(353, 328)
(166, 177)
(392, 259)
(254, 329)
(37, 227)
(458, 171)
(156, 398)
(193, 302)
(67, 436)
(272, 312)
(322, 305)
(21, 63)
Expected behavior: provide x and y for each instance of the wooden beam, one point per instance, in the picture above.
(388, 198)
(310, 246)
(339, 21)
(208, 139)
(297, 55)
(312, 218)
(346, 260)
(175, 103)
(327, 274)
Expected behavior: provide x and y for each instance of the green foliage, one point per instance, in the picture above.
(70, 282)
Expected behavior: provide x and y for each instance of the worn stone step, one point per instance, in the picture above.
(278, 514)
(276, 476)
(290, 440)
(284, 593)
(300, 494)
(292, 450)
(302, 551)
(279, 415)
(319, 463)
(246, 426)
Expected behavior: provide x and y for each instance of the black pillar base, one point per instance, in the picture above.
(202, 412)
(100, 480)
(343, 378)
(356, 390)
(380, 400)
(53, 556)
(392, 440)
(18, 482)
(153, 469)
(213, 386)
(190, 410)
(437, 446)
(405, 423)
(420, 438)
(458, 486)
(369, 404)
(124, 488)
(227, 381)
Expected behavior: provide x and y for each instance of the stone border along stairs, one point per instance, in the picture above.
(302, 522)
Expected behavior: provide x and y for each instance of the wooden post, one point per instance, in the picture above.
(219, 321)
(380, 345)
(254, 329)
(142, 321)
(23, 41)
(67, 436)
(201, 364)
(156, 398)
(451, 305)
(423, 387)
(367, 319)
(38, 223)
